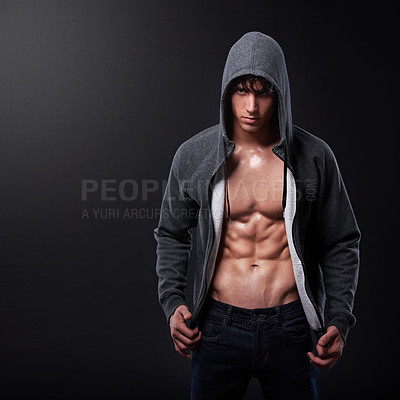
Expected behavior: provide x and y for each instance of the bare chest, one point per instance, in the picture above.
(255, 185)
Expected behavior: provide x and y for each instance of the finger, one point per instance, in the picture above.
(320, 363)
(328, 337)
(185, 331)
(184, 350)
(322, 352)
(331, 352)
(181, 352)
(324, 344)
(189, 347)
(177, 336)
(324, 341)
(179, 318)
(181, 349)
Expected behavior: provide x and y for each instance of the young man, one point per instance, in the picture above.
(277, 240)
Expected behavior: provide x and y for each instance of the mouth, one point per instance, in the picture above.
(250, 119)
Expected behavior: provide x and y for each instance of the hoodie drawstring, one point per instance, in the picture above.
(227, 193)
(284, 181)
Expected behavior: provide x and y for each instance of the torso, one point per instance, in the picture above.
(253, 267)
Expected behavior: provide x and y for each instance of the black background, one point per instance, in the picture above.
(107, 90)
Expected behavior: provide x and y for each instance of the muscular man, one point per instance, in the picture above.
(277, 248)
(253, 266)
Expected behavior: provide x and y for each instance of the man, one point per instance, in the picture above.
(277, 240)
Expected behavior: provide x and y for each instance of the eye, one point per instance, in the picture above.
(239, 90)
(267, 92)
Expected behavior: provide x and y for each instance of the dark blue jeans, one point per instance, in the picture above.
(270, 344)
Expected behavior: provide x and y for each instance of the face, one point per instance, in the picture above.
(252, 111)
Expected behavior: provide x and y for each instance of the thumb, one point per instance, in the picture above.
(186, 314)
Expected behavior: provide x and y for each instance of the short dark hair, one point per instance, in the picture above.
(249, 83)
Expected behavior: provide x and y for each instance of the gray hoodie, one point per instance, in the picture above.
(321, 228)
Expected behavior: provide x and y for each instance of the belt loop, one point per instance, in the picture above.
(229, 316)
(279, 317)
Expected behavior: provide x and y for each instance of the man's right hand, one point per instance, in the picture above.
(185, 339)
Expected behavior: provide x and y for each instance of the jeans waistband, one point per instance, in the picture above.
(234, 313)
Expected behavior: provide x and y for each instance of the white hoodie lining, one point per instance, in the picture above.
(217, 212)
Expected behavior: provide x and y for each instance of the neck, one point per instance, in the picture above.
(264, 137)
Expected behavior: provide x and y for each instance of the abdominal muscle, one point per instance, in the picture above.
(253, 267)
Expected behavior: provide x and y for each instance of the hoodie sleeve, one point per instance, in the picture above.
(178, 215)
(339, 238)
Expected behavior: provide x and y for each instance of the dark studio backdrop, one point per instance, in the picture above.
(95, 98)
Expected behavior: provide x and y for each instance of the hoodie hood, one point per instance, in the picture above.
(258, 54)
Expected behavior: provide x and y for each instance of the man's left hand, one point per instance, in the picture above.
(329, 348)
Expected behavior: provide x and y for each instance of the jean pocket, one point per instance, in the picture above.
(211, 330)
(296, 328)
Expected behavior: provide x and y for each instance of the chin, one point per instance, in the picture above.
(250, 129)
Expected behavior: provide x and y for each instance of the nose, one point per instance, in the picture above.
(251, 105)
